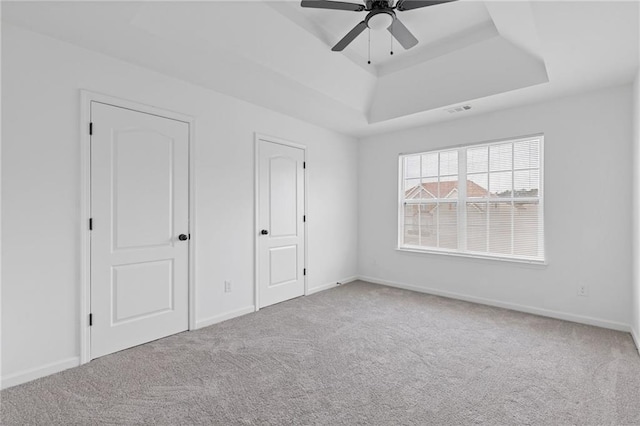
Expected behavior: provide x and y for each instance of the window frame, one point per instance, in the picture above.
(462, 200)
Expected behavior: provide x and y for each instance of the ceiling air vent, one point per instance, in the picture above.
(461, 108)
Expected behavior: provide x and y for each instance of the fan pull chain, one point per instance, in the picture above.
(391, 36)
(369, 57)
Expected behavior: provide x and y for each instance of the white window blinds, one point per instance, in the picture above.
(481, 200)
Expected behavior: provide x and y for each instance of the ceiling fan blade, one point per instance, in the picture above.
(351, 35)
(417, 4)
(336, 5)
(402, 34)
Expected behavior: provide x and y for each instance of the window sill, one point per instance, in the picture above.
(541, 263)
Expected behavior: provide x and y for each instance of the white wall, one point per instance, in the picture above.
(635, 321)
(587, 211)
(41, 79)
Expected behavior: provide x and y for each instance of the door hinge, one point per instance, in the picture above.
(91, 128)
(90, 320)
(304, 164)
(304, 271)
(90, 224)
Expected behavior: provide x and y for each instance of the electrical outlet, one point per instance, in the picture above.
(583, 290)
(227, 286)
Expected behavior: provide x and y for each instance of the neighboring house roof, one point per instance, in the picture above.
(448, 189)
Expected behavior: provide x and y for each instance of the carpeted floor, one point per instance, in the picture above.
(357, 354)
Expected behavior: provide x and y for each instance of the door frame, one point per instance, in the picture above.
(86, 97)
(256, 261)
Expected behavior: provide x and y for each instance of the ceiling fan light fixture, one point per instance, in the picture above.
(380, 21)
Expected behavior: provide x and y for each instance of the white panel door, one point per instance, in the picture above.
(280, 220)
(139, 208)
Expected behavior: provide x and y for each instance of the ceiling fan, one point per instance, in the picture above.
(381, 15)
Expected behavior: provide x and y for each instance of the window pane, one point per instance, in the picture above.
(477, 227)
(428, 225)
(423, 189)
(500, 184)
(411, 234)
(412, 166)
(412, 188)
(448, 187)
(448, 163)
(526, 183)
(500, 157)
(448, 225)
(430, 187)
(477, 185)
(526, 154)
(526, 229)
(500, 228)
(430, 165)
(477, 159)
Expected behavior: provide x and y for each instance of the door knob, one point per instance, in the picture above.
(183, 237)
(264, 232)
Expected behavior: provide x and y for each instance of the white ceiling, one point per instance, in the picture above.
(490, 55)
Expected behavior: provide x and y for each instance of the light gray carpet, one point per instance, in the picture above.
(357, 354)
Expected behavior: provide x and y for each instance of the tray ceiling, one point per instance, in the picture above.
(489, 55)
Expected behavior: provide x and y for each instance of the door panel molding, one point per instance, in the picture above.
(86, 98)
(256, 142)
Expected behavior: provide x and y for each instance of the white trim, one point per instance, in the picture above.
(193, 235)
(225, 316)
(401, 196)
(306, 225)
(327, 286)
(257, 137)
(280, 141)
(475, 143)
(38, 372)
(598, 322)
(461, 208)
(85, 214)
(541, 195)
(86, 97)
(256, 220)
(470, 255)
(636, 338)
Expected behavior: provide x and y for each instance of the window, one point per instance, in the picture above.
(479, 200)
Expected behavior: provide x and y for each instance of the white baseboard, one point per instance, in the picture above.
(506, 305)
(223, 317)
(636, 338)
(35, 373)
(330, 285)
